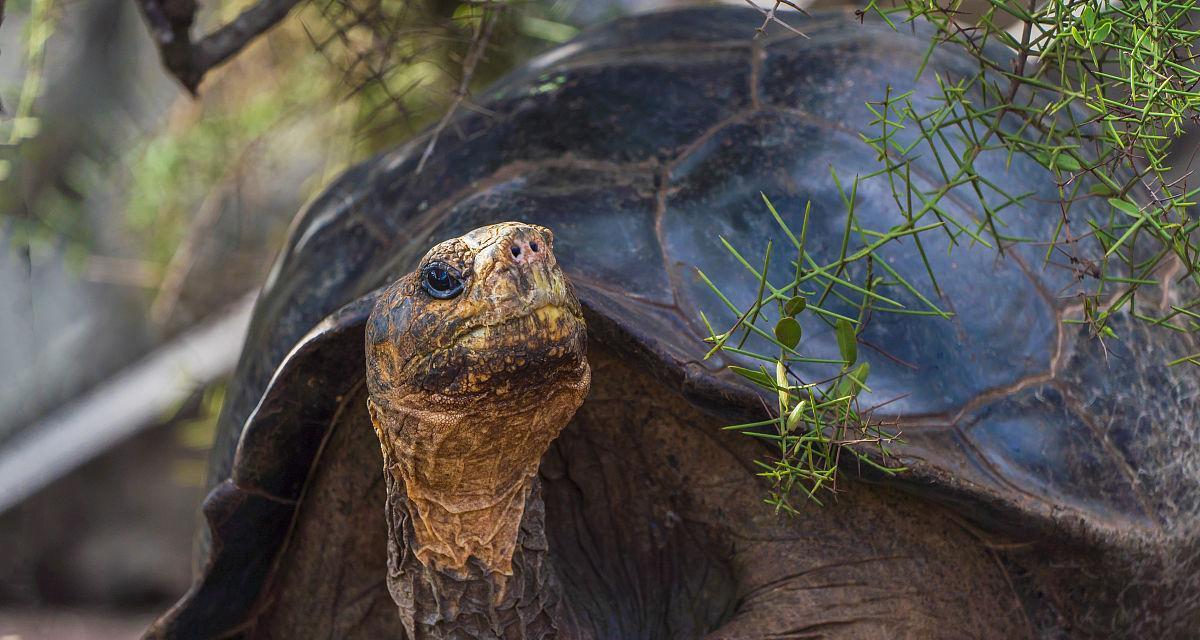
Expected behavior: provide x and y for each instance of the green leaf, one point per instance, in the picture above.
(1100, 189)
(853, 382)
(1126, 206)
(787, 331)
(1102, 31)
(1088, 16)
(795, 305)
(1066, 162)
(1078, 36)
(757, 377)
(847, 343)
(1059, 161)
(860, 374)
(26, 127)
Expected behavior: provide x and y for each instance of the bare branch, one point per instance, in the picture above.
(223, 43)
(170, 23)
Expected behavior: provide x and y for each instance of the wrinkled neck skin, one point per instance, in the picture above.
(467, 549)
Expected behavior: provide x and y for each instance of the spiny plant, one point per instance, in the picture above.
(1095, 91)
(817, 420)
(409, 64)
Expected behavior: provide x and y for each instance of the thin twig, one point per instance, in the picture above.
(474, 55)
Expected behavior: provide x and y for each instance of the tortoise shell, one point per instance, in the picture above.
(641, 144)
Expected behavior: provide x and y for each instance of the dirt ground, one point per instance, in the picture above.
(100, 552)
(71, 624)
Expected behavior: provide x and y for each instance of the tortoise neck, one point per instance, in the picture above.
(476, 602)
(467, 549)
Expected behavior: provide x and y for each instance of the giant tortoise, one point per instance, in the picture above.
(1050, 483)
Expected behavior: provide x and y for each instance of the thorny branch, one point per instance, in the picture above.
(170, 23)
(771, 15)
(478, 47)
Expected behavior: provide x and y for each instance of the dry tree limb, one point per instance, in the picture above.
(170, 23)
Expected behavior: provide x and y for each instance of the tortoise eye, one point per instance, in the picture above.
(440, 281)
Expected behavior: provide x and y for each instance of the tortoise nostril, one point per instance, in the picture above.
(516, 251)
(533, 247)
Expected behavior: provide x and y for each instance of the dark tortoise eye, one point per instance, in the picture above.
(440, 281)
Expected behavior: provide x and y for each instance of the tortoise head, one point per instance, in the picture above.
(475, 362)
(485, 316)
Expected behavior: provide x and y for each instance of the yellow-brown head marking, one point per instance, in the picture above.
(475, 362)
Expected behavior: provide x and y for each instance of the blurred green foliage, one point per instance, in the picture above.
(195, 428)
(20, 123)
(365, 74)
(173, 172)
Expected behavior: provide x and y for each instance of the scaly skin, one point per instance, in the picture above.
(466, 394)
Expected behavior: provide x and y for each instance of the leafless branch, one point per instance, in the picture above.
(170, 22)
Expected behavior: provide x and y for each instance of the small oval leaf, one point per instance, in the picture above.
(795, 305)
(847, 343)
(1078, 36)
(757, 377)
(845, 388)
(861, 374)
(853, 382)
(1065, 162)
(787, 331)
(1088, 17)
(1126, 206)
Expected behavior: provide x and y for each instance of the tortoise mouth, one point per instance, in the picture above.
(545, 324)
(506, 360)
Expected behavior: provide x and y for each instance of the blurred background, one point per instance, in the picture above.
(137, 222)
